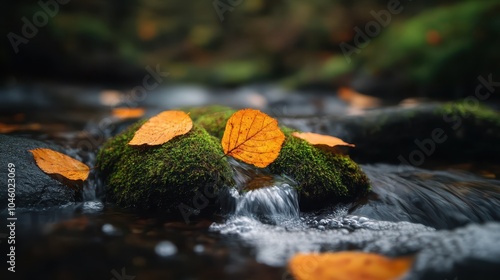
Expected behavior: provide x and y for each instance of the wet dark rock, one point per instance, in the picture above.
(33, 187)
(413, 136)
(439, 199)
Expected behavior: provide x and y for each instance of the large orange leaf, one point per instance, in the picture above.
(320, 139)
(348, 266)
(253, 137)
(55, 163)
(161, 128)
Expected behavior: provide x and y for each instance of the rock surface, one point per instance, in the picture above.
(455, 131)
(184, 174)
(33, 187)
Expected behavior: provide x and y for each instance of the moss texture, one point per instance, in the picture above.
(323, 178)
(215, 123)
(163, 177)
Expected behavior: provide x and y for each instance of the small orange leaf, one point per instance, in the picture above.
(348, 266)
(7, 128)
(358, 100)
(161, 128)
(55, 163)
(253, 137)
(128, 113)
(319, 139)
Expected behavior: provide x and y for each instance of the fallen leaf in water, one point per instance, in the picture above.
(320, 139)
(127, 113)
(252, 137)
(55, 163)
(7, 128)
(348, 266)
(356, 99)
(162, 128)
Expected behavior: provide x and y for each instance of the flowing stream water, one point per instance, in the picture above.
(447, 220)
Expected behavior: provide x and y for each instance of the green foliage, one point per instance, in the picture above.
(439, 48)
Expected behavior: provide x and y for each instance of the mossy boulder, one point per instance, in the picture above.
(454, 132)
(323, 177)
(177, 172)
(184, 173)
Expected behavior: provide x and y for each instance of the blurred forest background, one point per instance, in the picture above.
(429, 48)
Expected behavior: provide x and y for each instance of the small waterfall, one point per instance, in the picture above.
(268, 198)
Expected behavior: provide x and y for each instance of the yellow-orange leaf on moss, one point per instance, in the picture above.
(320, 139)
(161, 128)
(55, 163)
(348, 266)
(252, 137)
(127, 113)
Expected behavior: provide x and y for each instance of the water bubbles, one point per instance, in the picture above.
(109, 229)
(92, 206)
(165, 249)
(363, 220)
(199, 249)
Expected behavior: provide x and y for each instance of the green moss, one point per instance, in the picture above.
(215, 123)
(196, 112)
(456, 58)
(473, 110)
(323, 178)
(163, 177)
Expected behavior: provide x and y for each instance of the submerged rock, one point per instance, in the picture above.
(33, 188)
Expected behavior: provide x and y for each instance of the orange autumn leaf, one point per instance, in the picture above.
(252, 137)
(356, 99)
(161, 128)
(127, 113)
(319, 139)
(55, 163)
(348, 266)
(7, 128)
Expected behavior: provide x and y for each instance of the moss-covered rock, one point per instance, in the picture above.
(176, 174)
(458, 131)
(323, 178)
(172, 174)
(215, 123)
